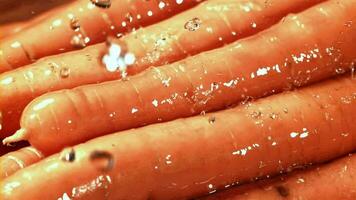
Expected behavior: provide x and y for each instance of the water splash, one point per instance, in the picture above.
(118, 59)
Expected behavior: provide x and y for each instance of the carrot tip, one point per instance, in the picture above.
(18, 136)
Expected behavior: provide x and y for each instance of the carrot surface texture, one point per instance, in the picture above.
(206, 82)
(83, 23)
(335, 180)
(16, 160)
(191, 157)
(159, 44)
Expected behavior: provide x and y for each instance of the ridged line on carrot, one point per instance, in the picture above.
(159, 44)
(19, 159)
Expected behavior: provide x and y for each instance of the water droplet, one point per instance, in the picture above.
(102, 3)
(193, 24)
(340, 70)
(64, 72)
(102, 160)
(285, 110)
(149, 13)
(78, 41)
(212, 119)
(179, 1)
(256, 114)
(161, 5)
(273, 116)
(74, 24)
(67, 155)
(129, 17)
(348, 23)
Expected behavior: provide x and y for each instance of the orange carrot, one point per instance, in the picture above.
(191, 157)
(159, 44)
(335, 180)
(206, 82)
(17, 15)
(16, 160)
(81, 24)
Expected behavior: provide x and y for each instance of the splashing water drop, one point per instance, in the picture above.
(117, 58)
(193, 24)
(102, 160)
(102, 3)
(67, 155)
(64, 72)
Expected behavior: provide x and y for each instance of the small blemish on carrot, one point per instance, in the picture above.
(282, 190)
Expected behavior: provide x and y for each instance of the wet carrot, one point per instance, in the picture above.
(81, 24)
(191, 157)
(206, 82)
(16, 16)
(159, 44)
(16, 160)
(335, 180)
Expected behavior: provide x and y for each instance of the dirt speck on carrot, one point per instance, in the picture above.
(282, 191)
(102, 160)
(68, 155)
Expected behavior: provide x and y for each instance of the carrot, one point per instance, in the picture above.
(17, 160)
(191, 157)
(92, 23)
(16, 16)
(159, 47)
(335, 180)
(206, 82)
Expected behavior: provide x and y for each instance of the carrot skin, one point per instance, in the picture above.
(335, 180)
(28, 45)
(191, 157)
(16, 160)
(85, 65)
(196, 84)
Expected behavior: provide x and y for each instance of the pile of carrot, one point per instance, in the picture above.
(176, 99)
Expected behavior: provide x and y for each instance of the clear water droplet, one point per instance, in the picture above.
(193, 24)
(285, 110)
(78, 41)
(74, 24)
(102, 3)
(340, 70)
(64, 72)
(102, 160)
(161, 5)
(128, 17)
(273, 116)
(256, 114)
(67, 155)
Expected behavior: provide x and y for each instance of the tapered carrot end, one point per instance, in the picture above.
(17, 137)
